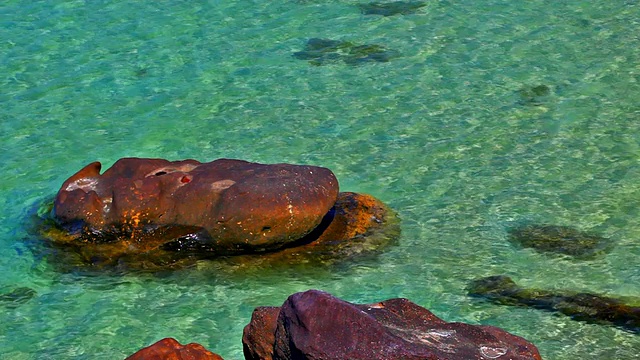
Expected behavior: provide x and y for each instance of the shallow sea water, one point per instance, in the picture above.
(441, 133)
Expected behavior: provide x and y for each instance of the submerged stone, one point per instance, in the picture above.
(325, 51)
(316, 325)
(325, 45)
(361, 54)
(587, 307)
(17, 297)
(534, 95)
(560, 239)
(391, 8)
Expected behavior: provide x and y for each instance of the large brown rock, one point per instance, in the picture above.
(317, 325)
(223, 207)
(358, 225)
(171, 349)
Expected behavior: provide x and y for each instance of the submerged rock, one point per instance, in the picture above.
(17, 297)
(579, 306)
(324, 51)
(534, 95)
(391, 8)
(560, 239)
(171, 349)
(317, 325)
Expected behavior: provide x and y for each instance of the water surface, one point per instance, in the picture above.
(444, 133)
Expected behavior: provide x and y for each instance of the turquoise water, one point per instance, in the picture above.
(441, 133)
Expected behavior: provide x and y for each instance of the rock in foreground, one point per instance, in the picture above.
(317, 325)
(170, 349)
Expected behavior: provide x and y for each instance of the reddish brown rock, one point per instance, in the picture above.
(355, 215)
(170, 349)
(139, 214)
(224, 206)
(358, 225)
(258, 336)
(316, 325)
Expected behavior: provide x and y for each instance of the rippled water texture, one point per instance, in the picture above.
(490, 115)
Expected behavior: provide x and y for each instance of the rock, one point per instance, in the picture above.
(258, 336)
(560, 239)
(319, 51)
(354, 215)
(391, 8)
(146, 214)
(224, 206)
(317, 325)
(358, 225)
(170, 349)
(534, 95)
(325, 51)
(579, 306)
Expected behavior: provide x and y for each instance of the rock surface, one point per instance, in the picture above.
(224, 206)
(258, 336)
(171, 349)
(587, 307)
(317, 325)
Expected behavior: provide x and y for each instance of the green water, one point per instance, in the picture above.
(441, 133)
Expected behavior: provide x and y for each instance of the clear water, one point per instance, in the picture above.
(441, 134)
